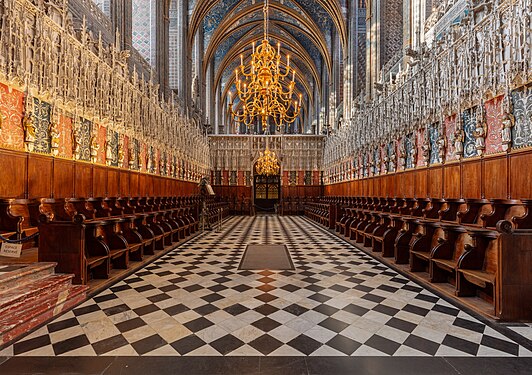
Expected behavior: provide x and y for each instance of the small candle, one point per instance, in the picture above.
(242, 60)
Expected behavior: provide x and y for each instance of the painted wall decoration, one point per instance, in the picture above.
(233, 178)
(522, 131)
(111, 148)
(420, 139)
(308, 177)
(434, 133)
(450, 124)
(293, 178)
(494, 117)
(469, 122)
(11, 109)
(82, 139)
(41, 121)
(65, 137)
(409, 147)
(102, 135)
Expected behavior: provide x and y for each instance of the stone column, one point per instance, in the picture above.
(122, 22)
(198, 67)
(162, 40)
(184, 81)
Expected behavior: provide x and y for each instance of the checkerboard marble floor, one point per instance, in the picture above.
(338, 302)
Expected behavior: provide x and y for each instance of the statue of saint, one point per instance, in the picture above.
(120, 153)
(441, 142)
(480, 134)
(458, 139)
(94, 147)
(29, 132)
(508, 123)
(55, 135)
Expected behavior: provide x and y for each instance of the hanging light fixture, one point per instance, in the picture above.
(259, 86)
(267, 164)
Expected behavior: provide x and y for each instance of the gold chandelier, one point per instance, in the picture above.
(267, 164)
(261, 90)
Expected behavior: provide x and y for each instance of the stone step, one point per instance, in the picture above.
(16, 300)
(16, 324)
(25, 275)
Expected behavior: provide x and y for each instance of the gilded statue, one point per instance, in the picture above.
(94, 146)
(508, 123)
(29, 132)
(55, 136)
(120, 153)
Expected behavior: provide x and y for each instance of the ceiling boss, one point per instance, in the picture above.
(263, 88)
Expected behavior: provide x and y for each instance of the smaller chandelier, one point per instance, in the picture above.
(267, 164)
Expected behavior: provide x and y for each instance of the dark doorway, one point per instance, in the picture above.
(267, 192)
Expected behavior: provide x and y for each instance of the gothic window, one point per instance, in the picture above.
(104, 5)
(144, 28)
(173, 46)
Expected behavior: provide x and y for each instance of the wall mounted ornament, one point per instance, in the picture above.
(508, 123)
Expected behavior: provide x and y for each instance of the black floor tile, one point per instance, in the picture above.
(31, 344)
(266, 324)
(304, 344)
(187, 344)
(176, 309)
(227, 344)
(70, 344)
(460, 344)
(422, 344)
(343, 344)
(265, 344)
(334, 325)
(130, 324)
(109, 344)
(383, 344)
(198, 324)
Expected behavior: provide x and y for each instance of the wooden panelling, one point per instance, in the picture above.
(83, 180)
(495, 176)
(520, 172)
(13, 179)
(99, 181)
(420, 184)
(451, 181)
(40, 174)
(113, 182)
(134, 184)
(435, 182)
(471, 179)
(124, 180)
(27, 175)
(63, 178)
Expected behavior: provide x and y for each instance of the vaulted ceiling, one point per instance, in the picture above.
(306, 30)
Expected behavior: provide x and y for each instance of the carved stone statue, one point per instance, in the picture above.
(480, 134)
(55, 135)
(442, 143)
(393, 161)
(402, 155)
(508, 123)
(120, 152)
(458, 140)
(108, 153)
(94, 146)
(414, 152)
(29, 132)
(132, 154)
(385, 161)
(426, 151)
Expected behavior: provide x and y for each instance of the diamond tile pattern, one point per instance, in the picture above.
(339, 301)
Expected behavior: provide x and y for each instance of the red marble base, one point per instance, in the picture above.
(33, 295)
(25, 275)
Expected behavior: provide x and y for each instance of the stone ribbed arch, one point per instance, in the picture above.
(221, 34)
(332, 7)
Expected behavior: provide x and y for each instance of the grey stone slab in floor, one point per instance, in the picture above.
(266, 257)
